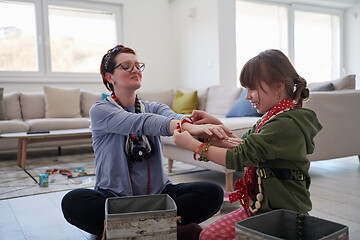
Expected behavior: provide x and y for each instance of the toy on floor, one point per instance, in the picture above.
(70, 173)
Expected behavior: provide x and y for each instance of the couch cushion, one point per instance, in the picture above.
(12, 106)
(164, 96)
(45, 124)
(185, 103)
(104, 95)
(347, 82)
(87, 99)
(242, 107)
(201, 94)
(322, 87)
(12, 126)
(2, 105)
(62, 102)
(220, 99)
(32, 105)
(343, 83)
(239, 125)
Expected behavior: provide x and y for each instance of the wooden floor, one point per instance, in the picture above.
(335, 194)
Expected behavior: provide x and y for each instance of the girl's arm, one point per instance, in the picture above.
(218, 131)
(214, 154)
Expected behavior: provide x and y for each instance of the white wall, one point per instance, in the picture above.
(351, 42)
(203, 43)
(194, 43)
(185, 44)
(227, 43)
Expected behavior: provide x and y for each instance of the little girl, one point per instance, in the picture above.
(274, 151)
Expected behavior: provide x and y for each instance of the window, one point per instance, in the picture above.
(85, 35)
(317, 45)
(18, 46)
(309, 36)
(56, 38)
(259, 27)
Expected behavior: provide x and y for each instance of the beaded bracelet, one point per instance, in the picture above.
(204, 153)
(198, 148)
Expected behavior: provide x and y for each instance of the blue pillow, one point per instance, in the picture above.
(103, 96)
(243, 108)
(323, 87)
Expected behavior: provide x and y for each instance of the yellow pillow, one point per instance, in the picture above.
(185, 103)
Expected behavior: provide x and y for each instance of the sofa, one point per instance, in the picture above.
(335, 102)
(53, 109)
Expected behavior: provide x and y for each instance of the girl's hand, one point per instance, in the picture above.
(226, 143)
(185, 140)
(201, 117)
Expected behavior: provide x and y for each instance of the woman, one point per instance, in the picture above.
(126, 140)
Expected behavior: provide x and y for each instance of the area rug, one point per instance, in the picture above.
(65, 173)
(15, 182)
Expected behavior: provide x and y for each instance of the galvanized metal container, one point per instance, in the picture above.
(282, 224)
(141, 217)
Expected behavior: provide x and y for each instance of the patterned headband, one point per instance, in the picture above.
(111, 52)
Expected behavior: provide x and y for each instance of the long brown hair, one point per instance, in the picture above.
(108, 62)
(272, 67)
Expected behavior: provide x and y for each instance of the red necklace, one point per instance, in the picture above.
(243, 188)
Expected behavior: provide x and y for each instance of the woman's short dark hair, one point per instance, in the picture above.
(108, 62)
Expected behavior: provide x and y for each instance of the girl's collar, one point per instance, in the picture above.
(282, 106)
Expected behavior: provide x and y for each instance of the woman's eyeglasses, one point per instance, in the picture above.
(128, 67)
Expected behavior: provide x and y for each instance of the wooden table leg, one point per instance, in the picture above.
(19, 152)
(22, 153)
(170, 165)
(229, 179)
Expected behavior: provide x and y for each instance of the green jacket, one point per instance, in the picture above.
(284, 141)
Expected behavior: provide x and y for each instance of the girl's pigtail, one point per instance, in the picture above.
(301, 92)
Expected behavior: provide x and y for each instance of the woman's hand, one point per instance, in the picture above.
(226, 143)
(208, 131)
(185, 140)
(201, 117)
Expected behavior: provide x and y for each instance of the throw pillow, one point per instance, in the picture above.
(2, 105)
(346, 82)
(185, 103)
(228, 96)
(242, 108)
(104, 95)
(322, 87)
(12, 106)
(62, 102)
(27, 102)
(87, 99)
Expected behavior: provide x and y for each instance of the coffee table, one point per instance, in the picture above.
(56, 135)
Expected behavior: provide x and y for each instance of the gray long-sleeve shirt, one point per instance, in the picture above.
(110, 126)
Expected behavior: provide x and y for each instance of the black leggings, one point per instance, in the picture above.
(195, 202)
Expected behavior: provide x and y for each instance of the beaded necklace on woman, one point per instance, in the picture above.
(245, 188)
(137, 148)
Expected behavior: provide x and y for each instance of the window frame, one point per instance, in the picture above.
(43, 39)
(324, 10)
(298, 6)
